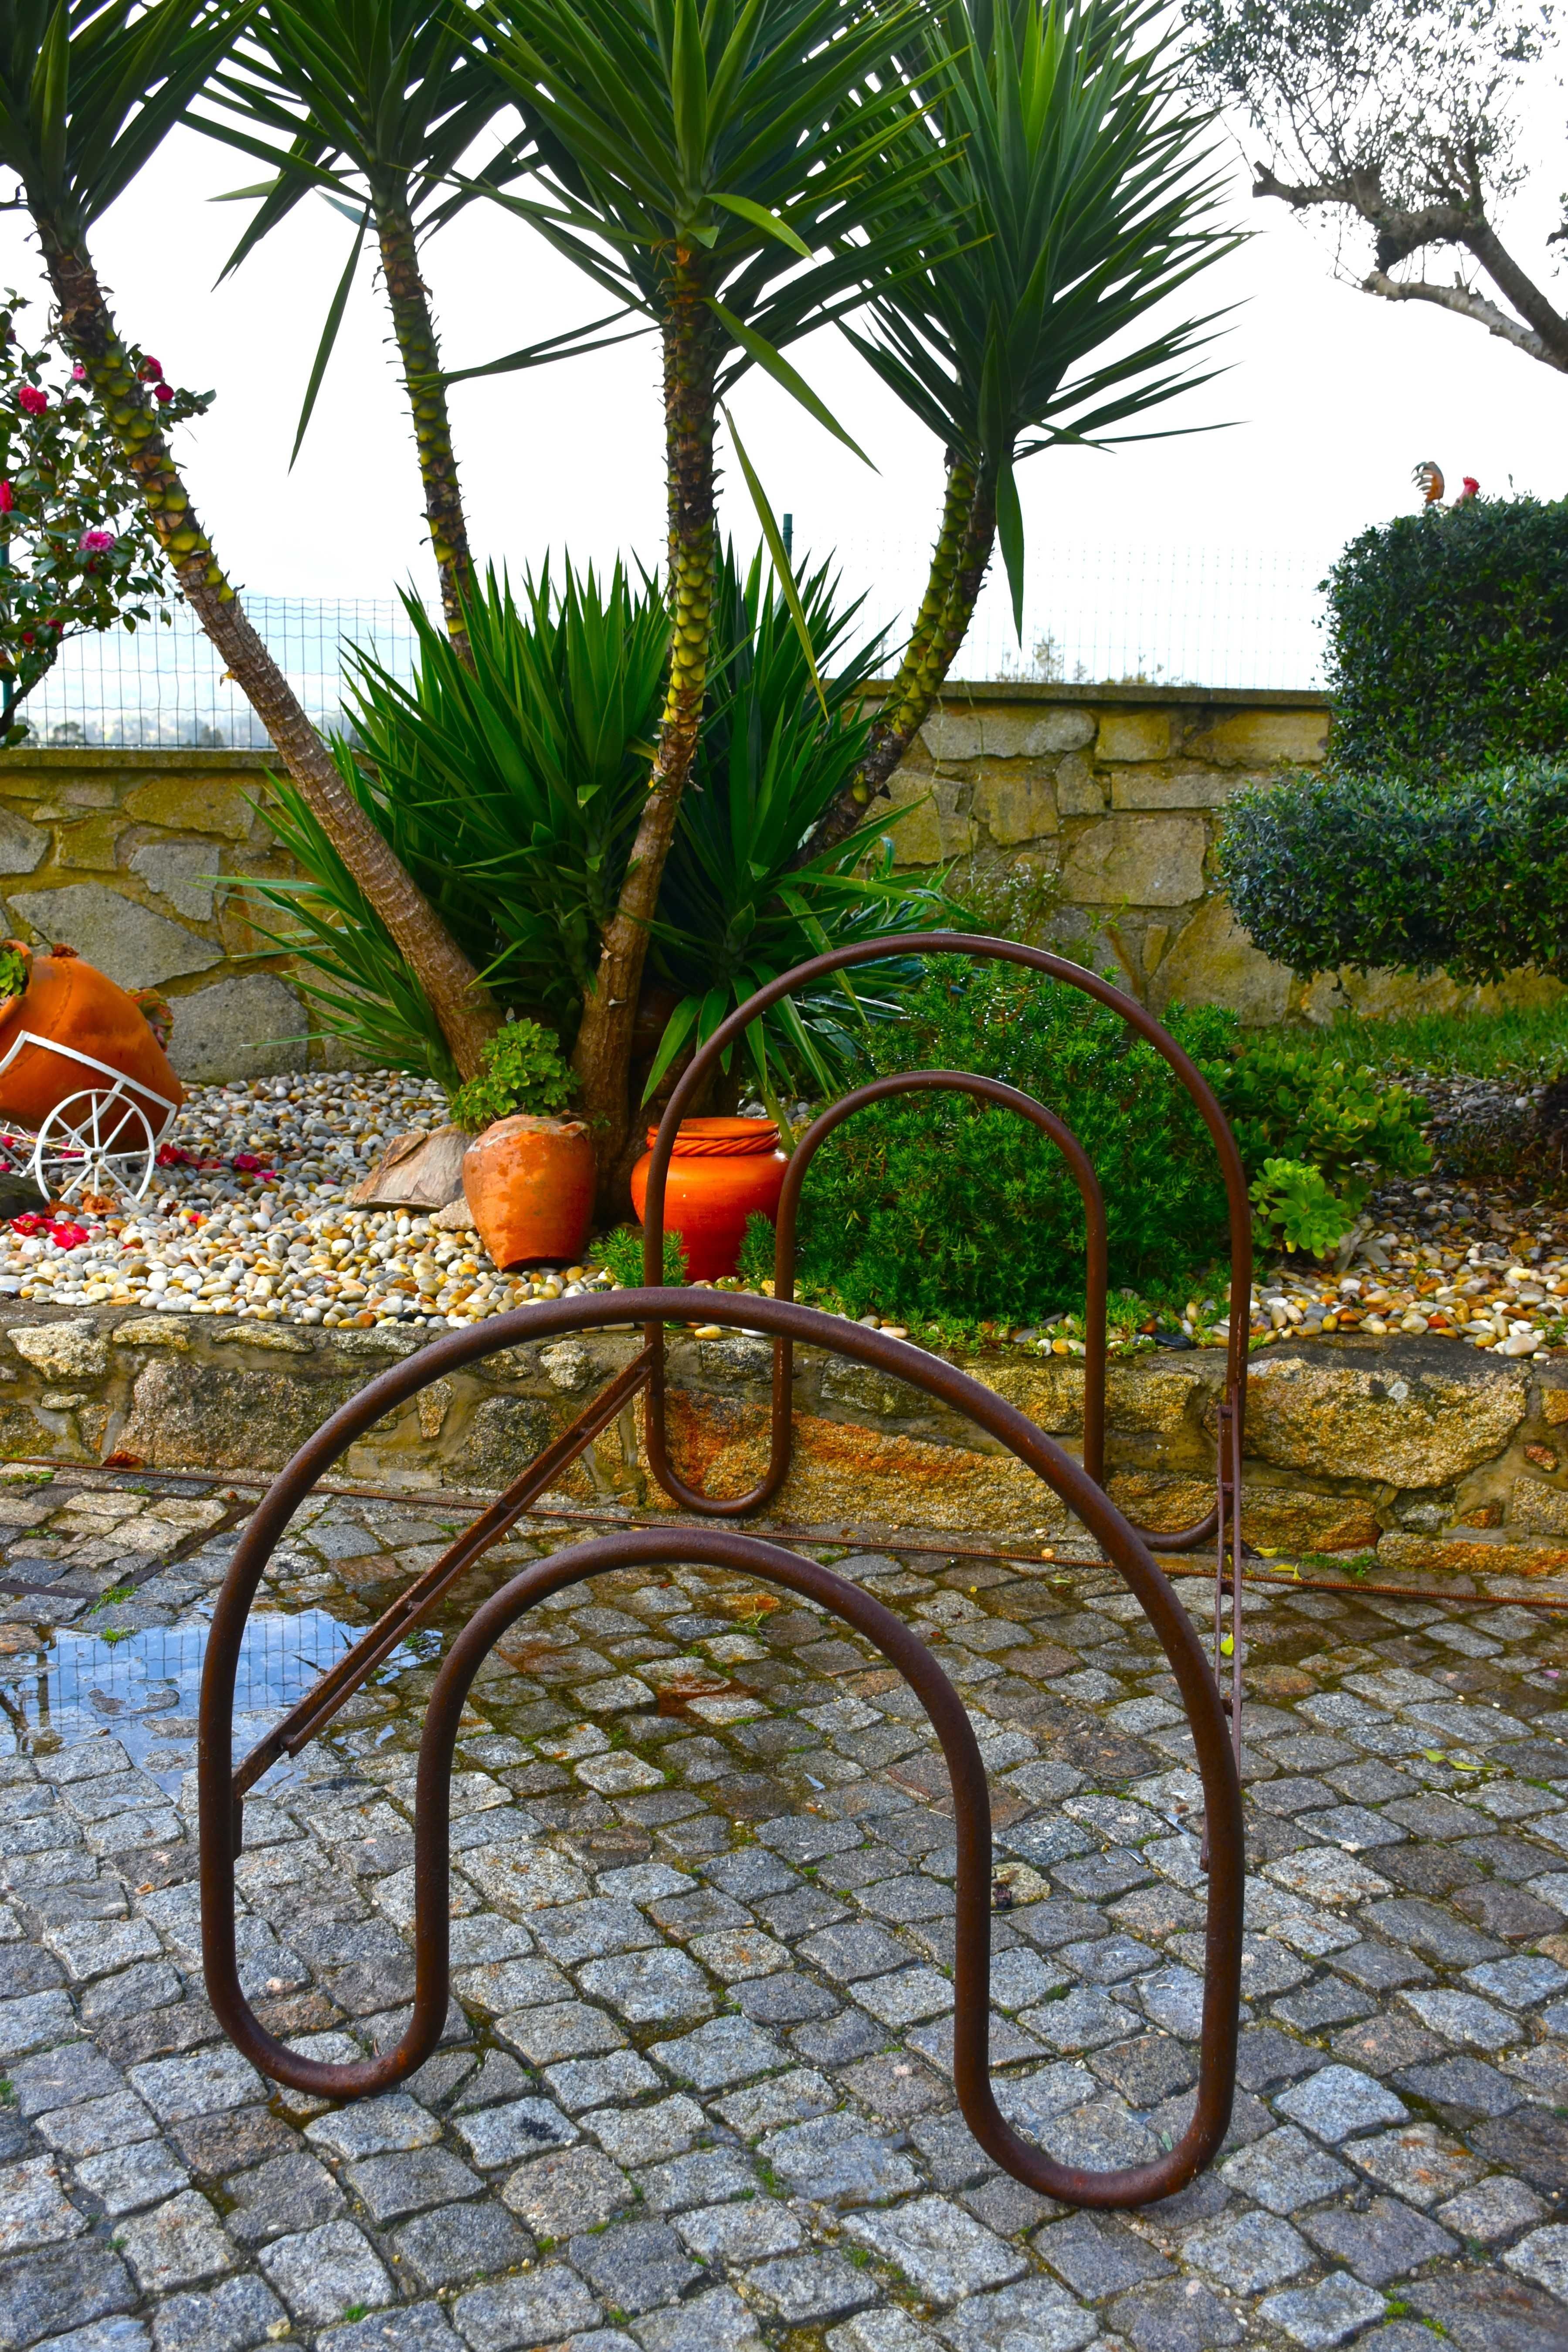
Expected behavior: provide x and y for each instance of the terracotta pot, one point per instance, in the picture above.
(73, 1003)
(529, 1183)
(722, 1171)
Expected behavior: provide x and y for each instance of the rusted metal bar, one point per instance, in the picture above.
(907, 1082)
(343, 1677)
(781, 1319)
(977, 950)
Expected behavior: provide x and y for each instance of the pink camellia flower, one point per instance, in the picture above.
(31, 401)
(7, 498)
(152, 371)
(162, 392)
(79, 373)
(96, 542)
(1470, 485)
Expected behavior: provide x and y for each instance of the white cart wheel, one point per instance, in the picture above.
(15, 1151)
(94, 1142)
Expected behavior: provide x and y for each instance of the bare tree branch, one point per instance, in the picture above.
(1400, 231)
(1468, 305)
(1403, 115)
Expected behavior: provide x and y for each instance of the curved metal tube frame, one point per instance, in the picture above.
(221, 1784)
(909, 1082)
(1225, 1514)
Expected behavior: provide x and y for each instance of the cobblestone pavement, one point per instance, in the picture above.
(694, 2092)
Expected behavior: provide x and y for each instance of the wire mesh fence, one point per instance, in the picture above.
(1138, 613)
(163, 688)
(1129, 612)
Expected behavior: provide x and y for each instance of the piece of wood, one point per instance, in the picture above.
(421, 1170)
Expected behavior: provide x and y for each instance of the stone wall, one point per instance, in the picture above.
(1090, 813)
(1443, 1463)
(1105, 803)
(127, 856)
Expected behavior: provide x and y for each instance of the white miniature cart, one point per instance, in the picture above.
(102, 1136)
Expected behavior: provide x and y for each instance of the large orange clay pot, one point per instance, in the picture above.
(73, 1003)
(529, 1183)
(722, 1171)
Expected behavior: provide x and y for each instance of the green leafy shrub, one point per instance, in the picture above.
(1470, 876)
(1290, 1103)
(620, 1253)
(521, 1070)
(1448, 639)
(16, 967)
(938, 1211)
(1297, 1206)
(933, 1207)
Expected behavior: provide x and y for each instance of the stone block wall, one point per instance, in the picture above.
(128, 858)
(1090, 813)
(1106, 801)
(1440, 1462)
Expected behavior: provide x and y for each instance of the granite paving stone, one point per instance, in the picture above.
(695, 2092)
(835, 2158)
(1336, 2309)
(1248, 2252)
(230, 2317)
(635, 2267)
(541, 2307)
(326, 2274)
(1338, 2100)
(1386, 2241)
(1175, 2315)
(809, 2289)
(455, 2243)
(287, 2194)
(577, 2188)
(740, 2233)
(61, 2288)
(176, 2245)
(125, 2180)
(942, 2250)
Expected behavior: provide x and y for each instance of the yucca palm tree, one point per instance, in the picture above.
(1081, 194)
(737, 173)
(373, 103)
(89, 88)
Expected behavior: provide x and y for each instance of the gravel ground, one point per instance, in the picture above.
(694, 2096)
(1485, 1265)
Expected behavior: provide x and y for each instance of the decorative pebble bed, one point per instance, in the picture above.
(249, 1218)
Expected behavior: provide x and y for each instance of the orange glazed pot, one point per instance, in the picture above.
(73, 1003)
(529, 1183)
(722, 1171)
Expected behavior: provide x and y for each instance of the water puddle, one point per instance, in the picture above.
(145, 1688)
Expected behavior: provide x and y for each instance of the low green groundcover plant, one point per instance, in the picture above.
(521, 1071)
(934, 1209)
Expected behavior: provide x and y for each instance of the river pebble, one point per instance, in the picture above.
(249, 1218)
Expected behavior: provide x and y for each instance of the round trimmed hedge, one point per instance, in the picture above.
(1468, 877)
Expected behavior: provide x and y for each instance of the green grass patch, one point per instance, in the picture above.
(1529, 1045)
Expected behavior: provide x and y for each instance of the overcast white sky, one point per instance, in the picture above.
(1332, 398)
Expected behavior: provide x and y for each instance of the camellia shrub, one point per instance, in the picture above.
(1448, 640)
(1470, 875)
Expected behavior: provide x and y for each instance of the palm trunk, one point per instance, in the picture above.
(958, 566)
(467, 1017)
(602, 1055)
(420, 354)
